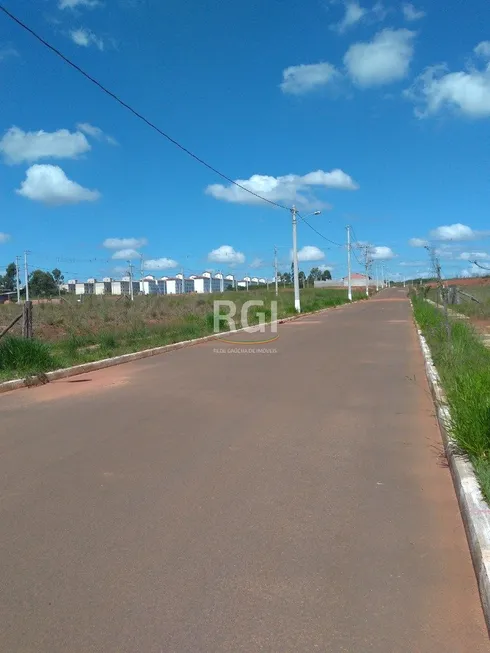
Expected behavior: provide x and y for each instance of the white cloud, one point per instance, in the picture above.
(411, 264)
(85, 38)
(127, 254)
(410, 13)
(18, 146)
(473, 271)
(72, 4)
(474, 256)
(483, 49)
(297, 80)
(4, 237)
(323, 268)
(95, 132)
(257, 263)
(355, 13)
(124, 243)
(310, 253)
(160, 264)
(49, 184)
(456, 231)
(383, 60)
(226, 254)
(8, 51)
(288, 188)
(418, 242)
(381, 253)
(337, 179)
(466, 92)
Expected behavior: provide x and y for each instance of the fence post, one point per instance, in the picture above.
(27, 319)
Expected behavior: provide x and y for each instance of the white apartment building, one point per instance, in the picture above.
(177, 285)
(202, 284)
(120, 287)
(84, 288)
(103, 287)
(149, 285)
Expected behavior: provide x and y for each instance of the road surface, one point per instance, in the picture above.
(204, 502)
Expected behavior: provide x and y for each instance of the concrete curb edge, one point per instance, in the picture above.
(67, 372)
(474, 510)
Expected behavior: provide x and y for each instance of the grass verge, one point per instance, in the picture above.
(463, 363)
(101, 329)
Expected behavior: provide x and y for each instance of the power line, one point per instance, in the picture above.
(131, 109)
(354, 248)
(318, 233)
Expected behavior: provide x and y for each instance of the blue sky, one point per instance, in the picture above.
(375, 113)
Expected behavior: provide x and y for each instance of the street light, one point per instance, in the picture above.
(294, 213)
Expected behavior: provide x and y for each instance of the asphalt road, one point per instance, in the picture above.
(205, 502)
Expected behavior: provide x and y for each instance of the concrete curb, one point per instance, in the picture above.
(66, 372)
(474, 511)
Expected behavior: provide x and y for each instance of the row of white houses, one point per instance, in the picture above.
(150, 285)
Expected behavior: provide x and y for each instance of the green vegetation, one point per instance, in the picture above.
(463, 363)
(41, 282)
(24, 356)
(71, 332)
(8, 280)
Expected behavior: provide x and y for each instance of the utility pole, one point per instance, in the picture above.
(349, 273)
(17, 273)
(367, 263)
(382, 276)
(142, 266)
(275, 269)
(131, 291)
(297, 302)
(26, 273)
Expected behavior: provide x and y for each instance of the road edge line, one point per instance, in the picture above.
(66, 372)
(474, 510)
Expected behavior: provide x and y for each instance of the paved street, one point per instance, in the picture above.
(203, 502)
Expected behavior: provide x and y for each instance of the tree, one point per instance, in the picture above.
(9, 280)
(57, 276)
(316, 274)
(42, 284)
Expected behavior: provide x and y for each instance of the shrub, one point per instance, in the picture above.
(25, 356)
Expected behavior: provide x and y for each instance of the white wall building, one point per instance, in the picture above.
(202, 284)
(188, 284)
(149, 285)
(120, 287)
(103, 287)
(178, 285)
(84, 288)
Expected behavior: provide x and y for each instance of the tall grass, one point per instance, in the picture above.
(25, 356)
(463, 363)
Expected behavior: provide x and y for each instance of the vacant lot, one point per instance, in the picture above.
(479, 310)
(98, 327)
